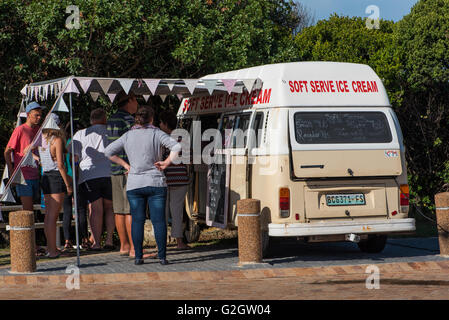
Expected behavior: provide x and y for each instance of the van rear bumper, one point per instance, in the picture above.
(341, 227)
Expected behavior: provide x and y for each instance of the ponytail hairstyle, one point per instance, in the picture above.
(144, 115)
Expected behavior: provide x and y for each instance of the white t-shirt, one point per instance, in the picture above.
(89, 145)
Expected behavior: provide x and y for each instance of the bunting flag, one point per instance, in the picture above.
(94, 96)
(2, 184)
(24, 90)
(50, 123)
(126, 84)
(36, 92)
(112, 96)
(71, 87)
(152, 84)
(38, 140)
(52, 89)
(146, 97)
(258, 84)
(229, 84)
(249, 83)
(190, 84)
(180, 96)
(170, 85)
(7, 196)
(61, 105)
(29, 161)
(210, 85)
(85, 84)
(19, 178)
(105, 84)
(163, 97)
(45, 92)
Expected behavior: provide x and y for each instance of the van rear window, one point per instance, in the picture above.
(341, 127)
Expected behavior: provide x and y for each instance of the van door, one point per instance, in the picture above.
(348, 158)
(234, 130)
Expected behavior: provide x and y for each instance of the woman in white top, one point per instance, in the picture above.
(55, 181)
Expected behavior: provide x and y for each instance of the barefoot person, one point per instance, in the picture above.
(55, 181)
(146, 181)
(119, 123)
(95, 177)
(177, 182)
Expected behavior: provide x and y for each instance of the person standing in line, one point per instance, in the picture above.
(146, 181)
(55, 181)
(68, 204)
(177, 183)
(119, 123)
(95, 177)
(17, 146)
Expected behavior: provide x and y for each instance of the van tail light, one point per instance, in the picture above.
(284, 202)
(405, 194)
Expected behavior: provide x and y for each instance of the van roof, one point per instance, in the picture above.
(295, 84)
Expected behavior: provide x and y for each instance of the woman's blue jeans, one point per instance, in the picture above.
(138, 199)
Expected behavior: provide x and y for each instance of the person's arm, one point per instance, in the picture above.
(120, 161)
(60, 163)
(10, 147)
(7, 154)
(174, 147)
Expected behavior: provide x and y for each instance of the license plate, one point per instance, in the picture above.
(355, 199)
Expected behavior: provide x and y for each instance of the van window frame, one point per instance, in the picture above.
(232, 150)
(393, 144)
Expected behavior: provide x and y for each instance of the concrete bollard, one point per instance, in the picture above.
(442, 209)
(249, 232)
(22, 242)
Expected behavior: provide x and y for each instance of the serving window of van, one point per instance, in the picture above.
(341, 129)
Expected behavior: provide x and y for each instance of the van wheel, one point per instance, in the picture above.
(192, 231)
(374, 244)
(265, 244)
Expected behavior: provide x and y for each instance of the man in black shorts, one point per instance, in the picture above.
(95, 177)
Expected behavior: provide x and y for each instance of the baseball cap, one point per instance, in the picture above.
(33, 105)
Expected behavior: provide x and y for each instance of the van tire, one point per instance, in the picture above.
(265, 244)
(192, 231)
(374, 244)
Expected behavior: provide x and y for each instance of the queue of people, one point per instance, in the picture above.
(124, 170)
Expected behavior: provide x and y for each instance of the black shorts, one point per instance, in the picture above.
(95, 189)
(52, 183)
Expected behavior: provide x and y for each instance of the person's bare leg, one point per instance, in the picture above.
(120, 223)
(96, 222)
(53, 204)
(109, 221)
(27, 203)
(128, 222)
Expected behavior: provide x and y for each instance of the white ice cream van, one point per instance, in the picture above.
(322, 150)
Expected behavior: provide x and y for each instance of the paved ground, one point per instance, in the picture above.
(288, 254)
(408, 269)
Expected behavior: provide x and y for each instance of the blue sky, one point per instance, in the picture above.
(388, 9)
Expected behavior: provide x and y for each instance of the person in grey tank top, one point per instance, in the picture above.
(55, 181)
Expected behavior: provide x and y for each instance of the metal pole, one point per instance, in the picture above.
(75, 191)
